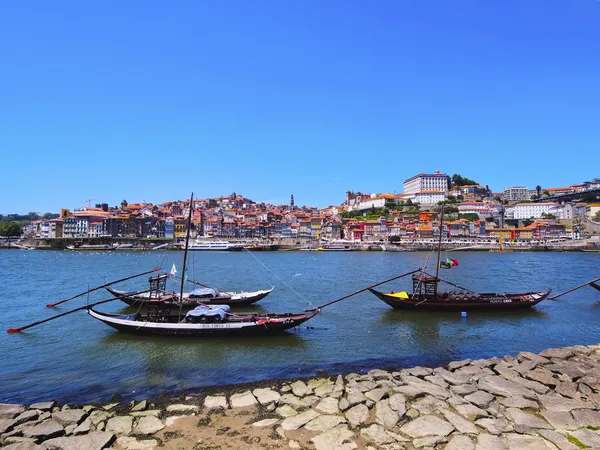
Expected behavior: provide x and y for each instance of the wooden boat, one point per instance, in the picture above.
(142, 298)
(426, 294)
(210, 320)
(233, 324)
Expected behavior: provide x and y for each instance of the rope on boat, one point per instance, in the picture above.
(283, 281)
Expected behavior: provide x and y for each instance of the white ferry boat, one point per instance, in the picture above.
(214, 246)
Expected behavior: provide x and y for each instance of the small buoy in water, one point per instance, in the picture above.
(463, 314)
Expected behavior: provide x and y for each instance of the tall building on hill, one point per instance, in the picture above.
(435, 181)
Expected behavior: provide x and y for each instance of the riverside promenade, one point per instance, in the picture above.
(549, 400)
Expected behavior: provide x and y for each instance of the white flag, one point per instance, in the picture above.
(173, 270)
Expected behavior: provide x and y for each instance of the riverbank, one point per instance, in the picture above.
(574, 246)
(548, 400)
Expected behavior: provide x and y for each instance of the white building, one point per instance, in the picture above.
(517, 194)
(427, 182)
(426, 198)
(479, 208)
(534, 210)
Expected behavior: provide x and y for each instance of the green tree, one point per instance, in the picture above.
(458, 180)
(597, 217)
(538, 189)
(527, 222)
(10, 229)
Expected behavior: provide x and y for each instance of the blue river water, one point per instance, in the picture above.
(79, 359)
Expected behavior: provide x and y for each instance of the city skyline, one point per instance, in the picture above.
(140, 102)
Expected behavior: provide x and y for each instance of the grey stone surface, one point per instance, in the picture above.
(44, 430)
(140, 406)
(490, 442)
(43, 406)
(339, 438)
(376, 433)
(460, 442)
(494, 426)
(120, 425)
(265, 423)
(131, 443)
(471, 412)
(427, 426)
(357, 415)
(523, 442)
(328, 405)
(385, 415)
(26, 416)
(557, 439)
(461, 424)
(480, 398)
(295, 422)
(96, 440)
(519, 416)
(216, 401)
(560, 420)
(10, 410)
(501, 386)
(286, 411)
(300, 389)
(84, 427)
(69, 416)
(266, 396)
(376, 394)
(148, 425)
(587, 437)
(558, 403)
(242, 400)
(324, 423)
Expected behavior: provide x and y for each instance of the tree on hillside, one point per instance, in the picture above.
(596, 217)
(538, 189)
(10, 229)
(458, 180)
(124, 203)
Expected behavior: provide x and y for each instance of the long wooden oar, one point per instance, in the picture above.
(365, 289)
(52, 305)
(17, 330)
(574, 289)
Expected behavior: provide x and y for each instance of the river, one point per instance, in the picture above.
(78, 359)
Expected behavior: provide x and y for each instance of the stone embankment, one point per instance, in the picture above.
(549, 400)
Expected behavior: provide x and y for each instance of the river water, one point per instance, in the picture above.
(78, 359)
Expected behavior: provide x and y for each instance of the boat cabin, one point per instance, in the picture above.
(424, 285)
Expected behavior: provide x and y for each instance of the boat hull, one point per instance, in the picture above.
(240, 299)
(240, 325)
(464, 301)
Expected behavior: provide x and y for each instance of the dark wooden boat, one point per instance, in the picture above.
(234, 324)
(142, 298)
(426, 294)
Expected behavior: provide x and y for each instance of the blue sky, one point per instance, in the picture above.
(151, 100)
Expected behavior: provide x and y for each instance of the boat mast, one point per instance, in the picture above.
(439, 252)
(187, 240)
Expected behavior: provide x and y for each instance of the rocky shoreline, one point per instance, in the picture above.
(549, 400)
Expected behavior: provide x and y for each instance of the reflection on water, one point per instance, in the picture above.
(77, 358)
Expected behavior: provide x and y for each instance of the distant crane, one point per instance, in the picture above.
(89, 201)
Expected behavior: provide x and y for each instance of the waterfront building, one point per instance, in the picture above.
(435, 181)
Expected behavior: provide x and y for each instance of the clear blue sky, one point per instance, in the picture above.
(150, 100)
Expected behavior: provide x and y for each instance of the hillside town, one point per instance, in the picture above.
(471, 211)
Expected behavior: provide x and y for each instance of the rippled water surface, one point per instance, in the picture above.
(76, 358)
